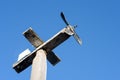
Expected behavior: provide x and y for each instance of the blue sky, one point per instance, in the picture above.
(98, 26)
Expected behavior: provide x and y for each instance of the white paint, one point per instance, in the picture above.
(23, 54)
(39, 66)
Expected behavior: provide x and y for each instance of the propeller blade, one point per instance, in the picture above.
(77, 38)
(63, 17)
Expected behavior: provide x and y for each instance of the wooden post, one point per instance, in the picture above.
(39, 66)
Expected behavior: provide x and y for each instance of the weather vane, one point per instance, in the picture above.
(43, 51)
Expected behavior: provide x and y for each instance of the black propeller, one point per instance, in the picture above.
(72, 28)
(64, 19)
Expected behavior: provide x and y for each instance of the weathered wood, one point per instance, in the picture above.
(32, 37)
(48, 46)
(39, 66)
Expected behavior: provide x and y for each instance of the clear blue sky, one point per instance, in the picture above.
(99, 27)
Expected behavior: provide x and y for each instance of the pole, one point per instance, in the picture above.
(39, 66)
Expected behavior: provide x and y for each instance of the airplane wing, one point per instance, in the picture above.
(52, 58)
(32, 37)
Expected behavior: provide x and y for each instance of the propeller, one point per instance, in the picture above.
(63, 17)
(72, 28)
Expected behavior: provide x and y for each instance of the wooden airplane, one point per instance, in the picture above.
(48, 46)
